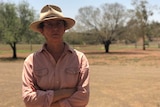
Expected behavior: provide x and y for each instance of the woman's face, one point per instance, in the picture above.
(53, 30)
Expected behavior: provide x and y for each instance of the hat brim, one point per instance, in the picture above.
(70, 23)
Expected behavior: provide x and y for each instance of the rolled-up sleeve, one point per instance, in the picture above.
(81, 97)
(32, 96)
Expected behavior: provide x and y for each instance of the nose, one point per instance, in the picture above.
(55, 28)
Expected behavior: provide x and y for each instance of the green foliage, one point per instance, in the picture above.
(9, 22)
(15, 21)
(14, 24)
(154, 30)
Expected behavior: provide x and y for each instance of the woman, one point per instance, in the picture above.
(56, 75)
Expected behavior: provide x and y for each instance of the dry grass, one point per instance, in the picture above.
(125, 86)
(122, 78)
(10, 83)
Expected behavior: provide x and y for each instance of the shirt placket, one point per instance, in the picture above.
(58, 69)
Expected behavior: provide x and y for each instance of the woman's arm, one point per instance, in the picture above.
(32, 95)
(63, 93)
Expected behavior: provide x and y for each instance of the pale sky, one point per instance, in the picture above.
(70, 7)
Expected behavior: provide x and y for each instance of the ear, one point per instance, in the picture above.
(41, 31)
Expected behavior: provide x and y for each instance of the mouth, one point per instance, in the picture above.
(56, 34)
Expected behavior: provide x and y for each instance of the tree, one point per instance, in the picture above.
(26, 16)
(106, 21)
(155, 26)
(155, 35)
(10, 24)
(14, 23)
(131, 34)
(113, 20)
(142, 15)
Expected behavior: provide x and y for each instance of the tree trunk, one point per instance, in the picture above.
(13, 46)
(144, 46)
(106, 45)
(136, 45)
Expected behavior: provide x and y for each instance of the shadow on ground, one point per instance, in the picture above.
(117, 53)
(8, 59)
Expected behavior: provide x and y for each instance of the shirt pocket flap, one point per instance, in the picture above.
(41, 72)
(72, 71)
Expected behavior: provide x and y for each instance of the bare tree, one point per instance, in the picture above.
(107, 21)
(113, 20)
(88, 18)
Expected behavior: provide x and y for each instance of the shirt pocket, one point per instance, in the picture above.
(72, 76)
(41, 76)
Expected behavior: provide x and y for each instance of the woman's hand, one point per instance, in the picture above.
(63, 93)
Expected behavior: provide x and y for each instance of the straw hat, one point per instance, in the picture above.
(51, 12)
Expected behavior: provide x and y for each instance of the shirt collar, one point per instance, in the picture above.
(67, 48)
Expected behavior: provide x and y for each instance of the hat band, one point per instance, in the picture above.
(56, 16)
(48, 17)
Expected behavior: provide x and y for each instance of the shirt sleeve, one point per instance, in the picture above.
(32, 95)
(81, 97)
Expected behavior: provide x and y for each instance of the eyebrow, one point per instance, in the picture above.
(50, 21)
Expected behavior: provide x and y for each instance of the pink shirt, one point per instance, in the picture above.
(42, 75)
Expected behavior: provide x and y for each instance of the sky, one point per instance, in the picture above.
(70, 7)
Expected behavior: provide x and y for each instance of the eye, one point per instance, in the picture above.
(48, 25)
(60, 23)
